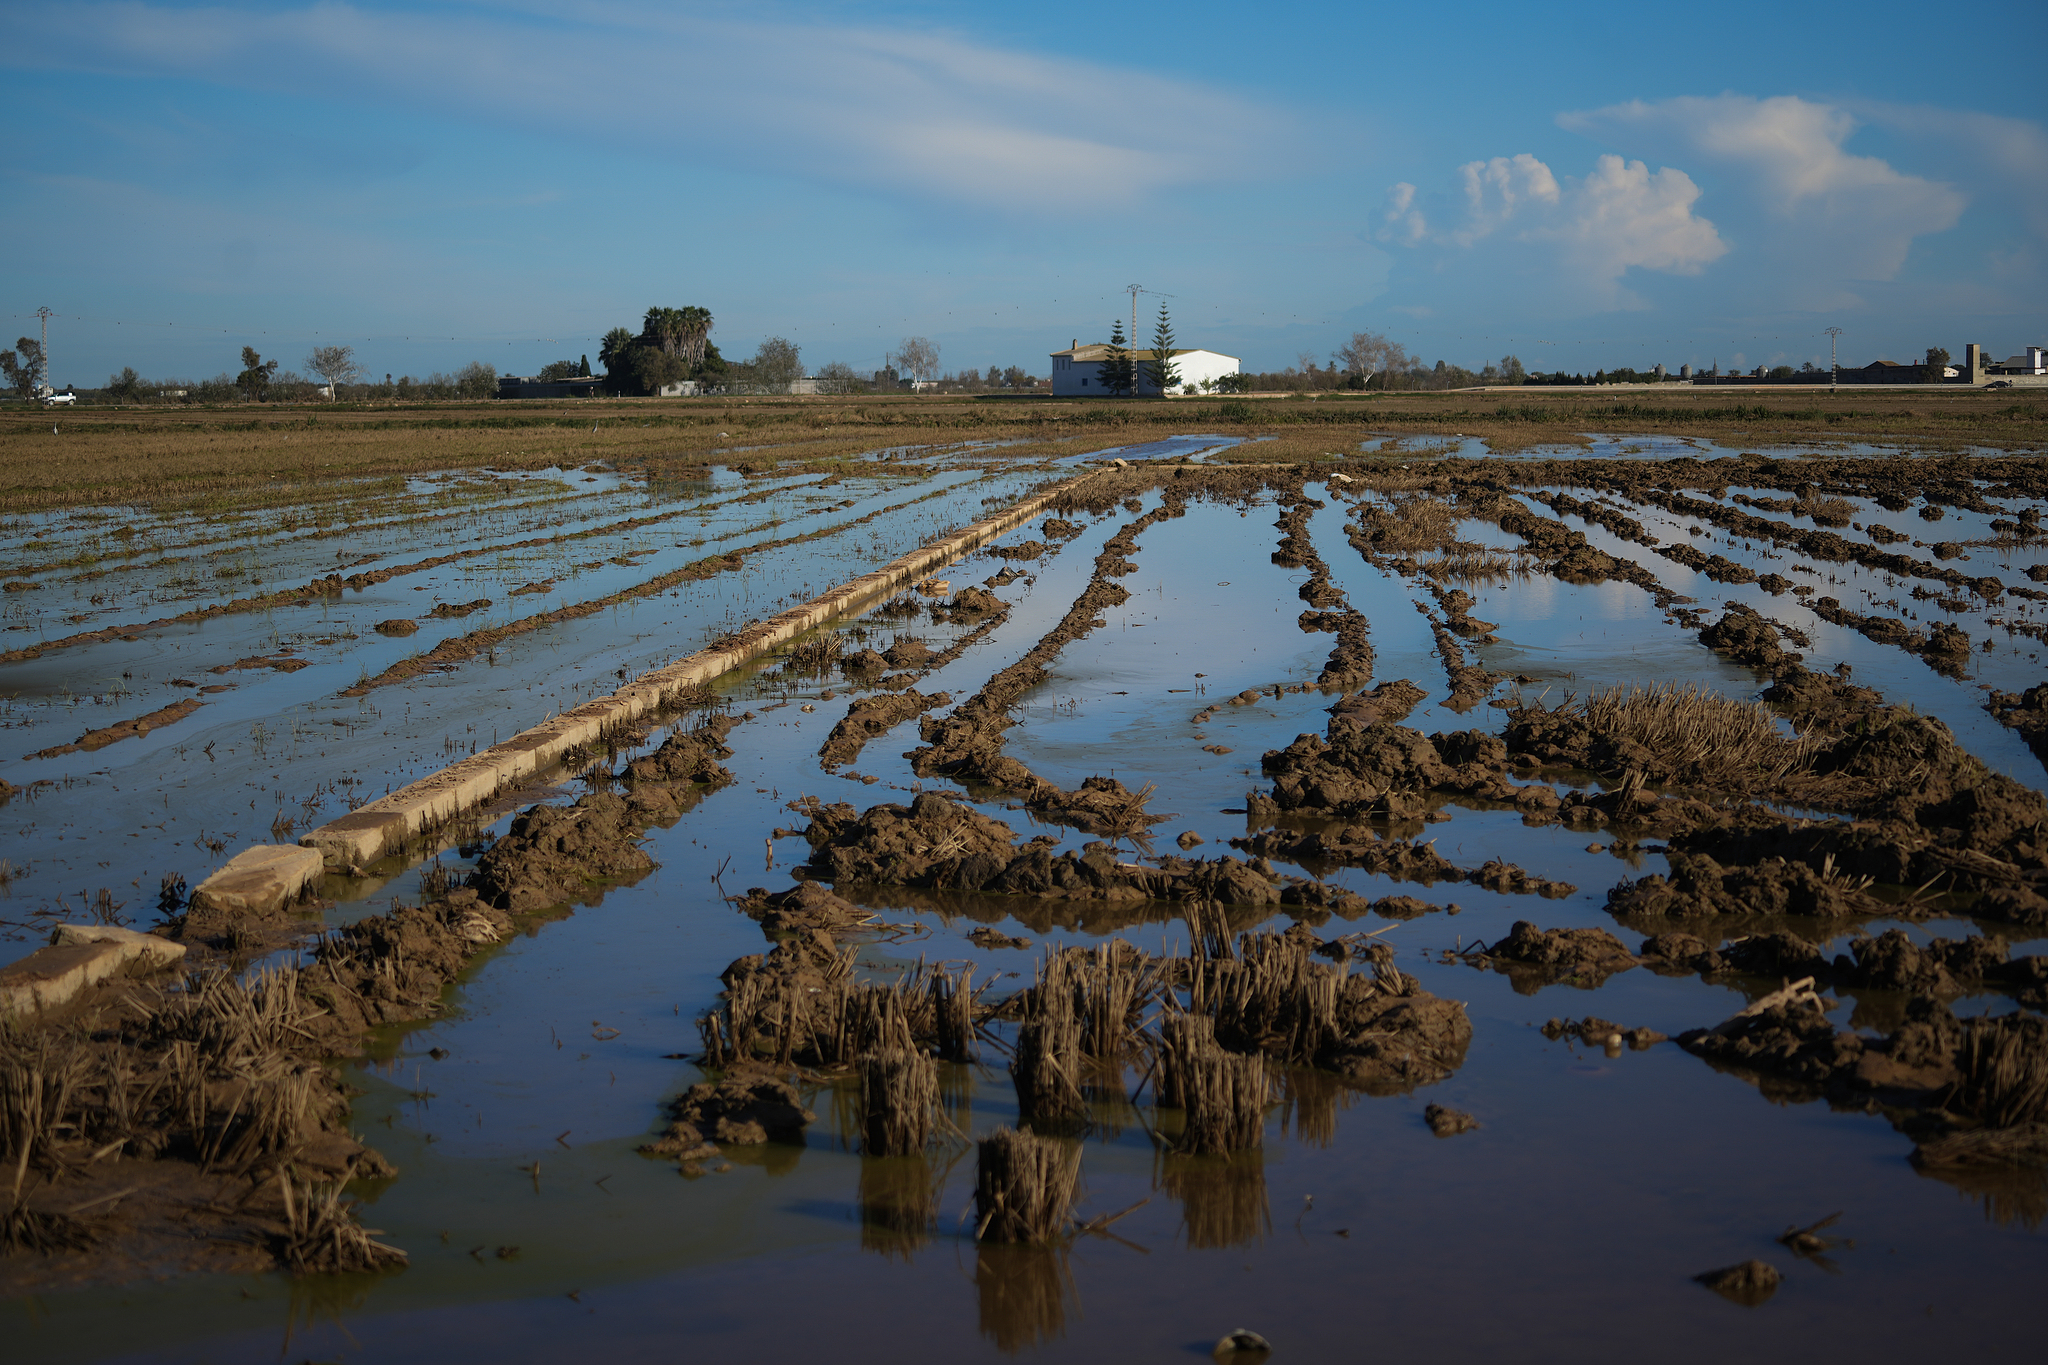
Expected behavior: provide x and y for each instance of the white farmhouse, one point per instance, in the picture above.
(1077, 371)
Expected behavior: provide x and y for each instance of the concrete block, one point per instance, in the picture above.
(161, 951)
(82, 956)
(260, 879)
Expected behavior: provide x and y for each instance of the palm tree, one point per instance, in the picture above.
(611, 353)
(695, 327)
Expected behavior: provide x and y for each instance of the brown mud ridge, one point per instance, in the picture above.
(120, 730)
(967, 746)
(1889, 961)
(1370, 766)
(1350, 663)
(201, 1127)
(1971, 1093)
(2026, 712)
(937, 843)
(873, 716)
(333, 585)
(1921, 811)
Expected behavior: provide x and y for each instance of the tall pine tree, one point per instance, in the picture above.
(1119, 373)
(1160, 370)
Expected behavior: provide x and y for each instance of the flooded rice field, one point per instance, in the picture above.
(1417, 903)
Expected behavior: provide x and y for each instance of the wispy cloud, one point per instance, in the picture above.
(907, 110)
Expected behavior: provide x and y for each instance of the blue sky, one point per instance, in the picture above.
(1584, 185)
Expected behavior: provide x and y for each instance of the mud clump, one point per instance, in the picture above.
(1747, 638)
(1700, 887)
(1749, 1284)
(688, 756)
(985, 937)
(1533, 958)
(908, 652)
(970, 604)
(863, 662)
(128, 729)
(1389, 703)
(869, 717)
(1030, 549)
(1392, 1040)
(1446, 1122)
(739, 1113)
(449, 611)
(396, 627)
(1603, 1033)
(1384, 770)
(930, 842)
(802, 908)
(553, 854)
(1056, 528)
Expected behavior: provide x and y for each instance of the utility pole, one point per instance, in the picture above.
(1834, 362)
(45, 314)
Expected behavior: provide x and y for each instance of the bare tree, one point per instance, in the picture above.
(335, 364)
(1369, 353)
(917, 357)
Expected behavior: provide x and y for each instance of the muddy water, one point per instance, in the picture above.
(272, 752)
(1565, 1228)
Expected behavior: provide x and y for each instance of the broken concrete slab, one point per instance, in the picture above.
(139, 945)
(81, 956)
(260, 879)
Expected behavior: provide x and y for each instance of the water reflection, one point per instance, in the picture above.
(899, 1204)
(1309, 1101)
(1222, 1198)
(1023, 1292)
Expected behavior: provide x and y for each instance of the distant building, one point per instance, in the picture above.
(1077, 371)
(2033, 360)
(517, 386)
(1685, 372)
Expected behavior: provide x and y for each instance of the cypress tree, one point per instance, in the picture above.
(1160, 369)
(1118, 373)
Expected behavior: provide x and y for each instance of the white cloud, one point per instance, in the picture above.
(1853, 216)
(1585, 233)
(1495, 189)
(929, 112)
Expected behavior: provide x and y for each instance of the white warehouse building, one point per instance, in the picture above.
(1077, 371)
